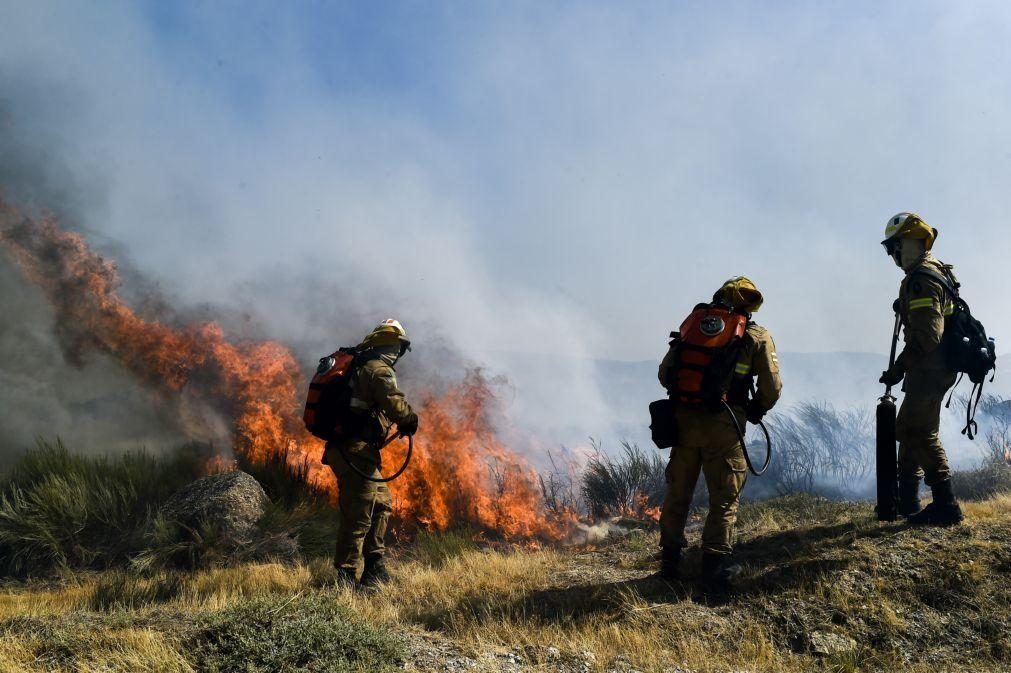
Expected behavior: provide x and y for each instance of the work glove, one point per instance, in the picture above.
(409, 425)
(892, 377)
(754, 412)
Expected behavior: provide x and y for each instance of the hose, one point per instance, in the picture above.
(744, 446)
(383, 480)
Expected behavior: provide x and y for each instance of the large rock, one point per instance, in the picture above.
(231, 501)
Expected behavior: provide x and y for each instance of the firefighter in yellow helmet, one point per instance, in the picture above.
(365, 505)
(708, 443)
(923, 304)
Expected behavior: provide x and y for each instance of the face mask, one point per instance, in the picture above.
(388, 354)
(911, 252)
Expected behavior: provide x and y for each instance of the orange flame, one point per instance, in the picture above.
(461, 473)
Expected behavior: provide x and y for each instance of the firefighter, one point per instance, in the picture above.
(708, 442)
(365, 506)
(922, 306)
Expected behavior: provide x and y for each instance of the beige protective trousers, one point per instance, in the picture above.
(918, 423)
(365, 507)
(707, 443)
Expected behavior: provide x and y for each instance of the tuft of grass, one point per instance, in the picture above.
(301, 633)
(986, 481)
(436, 548)
(119, 590)
(625, 485)
(63, 510)
(80, 643)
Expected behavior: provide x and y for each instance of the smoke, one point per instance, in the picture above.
(528, 188)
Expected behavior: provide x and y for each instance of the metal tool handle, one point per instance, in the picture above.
(891, 355)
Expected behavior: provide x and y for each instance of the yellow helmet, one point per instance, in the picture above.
(908, 225)
(387, 333)
(740, 293)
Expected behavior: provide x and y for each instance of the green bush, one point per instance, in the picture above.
(59, 509)
(313, 633)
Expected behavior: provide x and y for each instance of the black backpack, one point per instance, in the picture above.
(966, 348)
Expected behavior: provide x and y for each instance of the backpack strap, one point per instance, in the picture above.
(946, 282)
(971, 428)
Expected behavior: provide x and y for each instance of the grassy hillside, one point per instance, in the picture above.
(821, 577)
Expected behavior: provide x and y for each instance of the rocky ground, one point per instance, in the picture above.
(824, 582)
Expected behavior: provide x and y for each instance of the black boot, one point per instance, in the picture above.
(718, 573)
(909, 496)
(670, 563)
(375, 573)
(943, 511)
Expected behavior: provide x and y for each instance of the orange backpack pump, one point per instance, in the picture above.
(706, 351)
(328, 403)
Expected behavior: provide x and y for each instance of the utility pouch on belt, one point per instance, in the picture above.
(663, 423)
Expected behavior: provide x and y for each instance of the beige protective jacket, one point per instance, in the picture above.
(376, 393)
(923, 305)
(757, 359)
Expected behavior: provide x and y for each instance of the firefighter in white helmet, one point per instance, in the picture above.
(923, 304)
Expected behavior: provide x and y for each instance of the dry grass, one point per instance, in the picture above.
(914, 600)
(82, 649)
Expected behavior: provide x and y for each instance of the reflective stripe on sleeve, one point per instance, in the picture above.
(949, 309)
(742, 369)
(925, 302)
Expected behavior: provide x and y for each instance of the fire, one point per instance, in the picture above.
(642, 510)
(461, 473)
